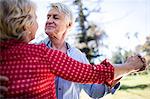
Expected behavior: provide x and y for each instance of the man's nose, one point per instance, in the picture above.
(50, 20)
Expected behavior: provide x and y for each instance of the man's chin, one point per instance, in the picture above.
(49, 32)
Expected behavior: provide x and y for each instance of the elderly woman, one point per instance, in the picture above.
(32, 68)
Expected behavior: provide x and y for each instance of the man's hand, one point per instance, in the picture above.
(133, 64)
(136, 63)
(144, 63)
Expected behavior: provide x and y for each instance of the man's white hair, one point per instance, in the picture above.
(65, 9)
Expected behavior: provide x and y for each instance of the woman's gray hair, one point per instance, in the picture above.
(14, 16)
(66, 10)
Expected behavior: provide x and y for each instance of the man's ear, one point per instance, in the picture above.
(70, 26)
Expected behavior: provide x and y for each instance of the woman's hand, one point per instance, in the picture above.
(3, 85)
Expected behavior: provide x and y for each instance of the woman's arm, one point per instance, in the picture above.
(69, 69)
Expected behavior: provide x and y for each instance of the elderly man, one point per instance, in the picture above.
(59, 22)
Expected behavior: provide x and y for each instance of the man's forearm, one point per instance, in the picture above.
(121, 69)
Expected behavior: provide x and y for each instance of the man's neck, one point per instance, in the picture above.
(59, 45)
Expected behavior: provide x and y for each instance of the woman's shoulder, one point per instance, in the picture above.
(40, 48)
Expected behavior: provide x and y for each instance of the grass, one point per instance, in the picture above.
(132, 87)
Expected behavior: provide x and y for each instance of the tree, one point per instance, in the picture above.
(90, 36)
(121, 55)
(146, 49)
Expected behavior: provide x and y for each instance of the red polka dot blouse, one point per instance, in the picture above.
(31, 70)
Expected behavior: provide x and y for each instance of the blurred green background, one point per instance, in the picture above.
(132, 87)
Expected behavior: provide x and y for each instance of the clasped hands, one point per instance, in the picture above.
(137, 63)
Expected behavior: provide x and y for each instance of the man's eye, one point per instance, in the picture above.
(48, 17)
(55, 17)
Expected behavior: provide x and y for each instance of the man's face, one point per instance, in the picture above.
(56, 24)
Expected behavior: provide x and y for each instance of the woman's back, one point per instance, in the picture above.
(30, 69)
(29, 76)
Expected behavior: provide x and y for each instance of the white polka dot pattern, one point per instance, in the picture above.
(31, 70)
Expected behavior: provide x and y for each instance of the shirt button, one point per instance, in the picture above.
(59, 88)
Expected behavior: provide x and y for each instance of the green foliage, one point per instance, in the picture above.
(89, 34)
(146, 49)
(120, 55)
(117, 58)
(132, 87)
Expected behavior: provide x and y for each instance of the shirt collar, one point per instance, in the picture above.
(49, 44)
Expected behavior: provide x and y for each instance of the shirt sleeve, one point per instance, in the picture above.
(97, 91)
(94, 90)
(67, 68)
